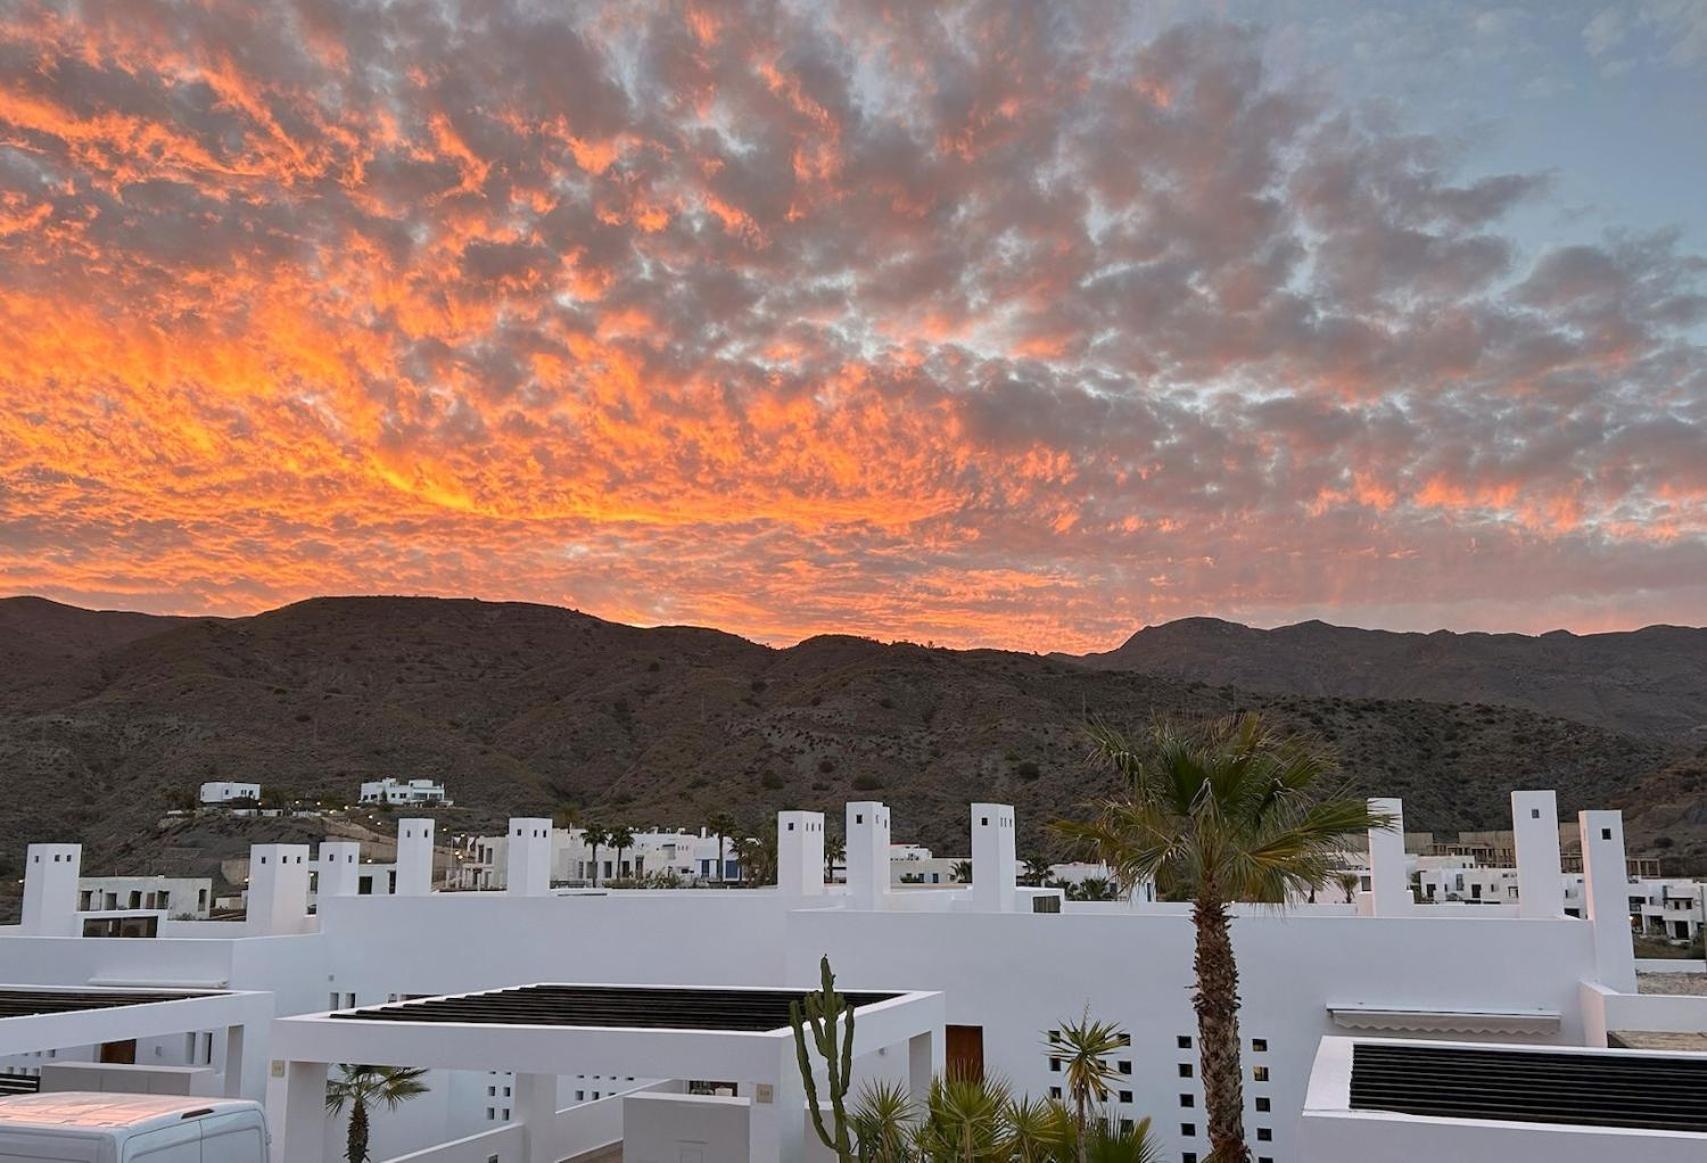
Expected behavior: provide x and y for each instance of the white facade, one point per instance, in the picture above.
(397, 791)
(181, 898)
(223, 792)
(482, 865)
(1007, 975)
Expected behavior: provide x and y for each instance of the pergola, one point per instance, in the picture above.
(541, 1032)
(35, 1019)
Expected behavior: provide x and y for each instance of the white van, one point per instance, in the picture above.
(95, 1127)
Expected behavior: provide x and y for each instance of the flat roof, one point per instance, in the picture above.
(608, 1006)
(25, 1001)
(1603, 1089)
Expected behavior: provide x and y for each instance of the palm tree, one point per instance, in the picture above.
(721, 825)
(1084, 1048)
(359, 1087)
(835, 849)
(1094, 888)
(757, 856)
(621, 838)
(961, 870)
(1224, 811)
(595, 835)
(567, 817)
(1349, 883)
(1036, 870)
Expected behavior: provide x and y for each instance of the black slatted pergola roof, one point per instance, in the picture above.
(610, 1006)
(1649, 1091)
(25, 1002)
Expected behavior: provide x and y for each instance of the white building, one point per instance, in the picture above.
(407, 792)
(1009, 963)
(482, 862)
(181, 898)
(223, 792)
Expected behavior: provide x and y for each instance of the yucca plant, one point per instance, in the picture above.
(963, 1121)
(1037, 1131)
(1219, 812)
(1107, 1142)
(883, 1118)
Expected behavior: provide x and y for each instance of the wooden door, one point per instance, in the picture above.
(964, 1055)
(119, 1053)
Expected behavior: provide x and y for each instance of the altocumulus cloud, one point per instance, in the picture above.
(989, 322)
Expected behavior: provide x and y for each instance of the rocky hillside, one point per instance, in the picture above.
(1650, 682)
(523, 708)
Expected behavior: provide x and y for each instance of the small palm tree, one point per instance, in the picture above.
(757, 856)
(961, 870)
(1084, 1048)
(596, 835)
(1036, 870)
(1221, 812)
(722, 824)
(360, 1087)
(835, 851)
(1095, 888)
(1349, 883)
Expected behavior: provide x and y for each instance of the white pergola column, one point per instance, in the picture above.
(536, 1111)
(296, 1112)
(776, 1130)
(234, 1062)
(925, 1058)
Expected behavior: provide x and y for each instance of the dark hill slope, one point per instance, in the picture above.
(521, 708)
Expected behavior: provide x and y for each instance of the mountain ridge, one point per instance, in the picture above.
(523, 708)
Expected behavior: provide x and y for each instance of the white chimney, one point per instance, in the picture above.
(1389, 876)
(994, 865)
(1606, 895)
(50, 890)
(528, 856)
(1535, 839)
(800, 853)
(414, 857)
(337, 867)
(277, 901)
(868, 854)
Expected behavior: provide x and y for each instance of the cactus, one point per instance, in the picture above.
(821, 1010)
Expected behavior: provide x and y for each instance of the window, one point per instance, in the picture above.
(1124, 1066)
(1184, 1041)
(1054, 1092)
(1262, 1104)
(1187, 1100)
(1265, 1135)
(1185, 1070)
(1188, 1130)
(1055, 1065)
(1259, 1074)
(1188, 1157)
(1259, 1045)
(1054, 1036)
(1126, 1096)
(1605, 834)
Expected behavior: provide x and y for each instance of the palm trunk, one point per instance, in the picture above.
(1080, 1147)
(595, 866)
(355, 1142)
(720, 858)
(1217, 1004)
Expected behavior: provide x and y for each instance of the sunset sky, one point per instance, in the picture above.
(1014, 324)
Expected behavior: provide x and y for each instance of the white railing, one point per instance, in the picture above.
(502, 1143)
